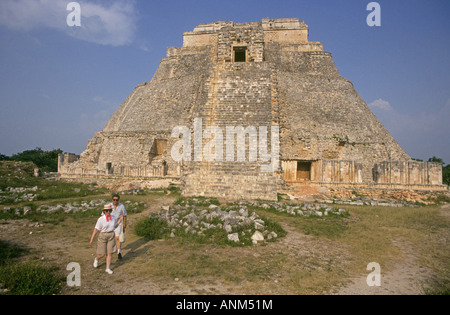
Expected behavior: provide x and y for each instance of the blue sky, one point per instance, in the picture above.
(59, 84)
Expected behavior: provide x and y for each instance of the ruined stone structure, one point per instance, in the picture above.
(265, 77)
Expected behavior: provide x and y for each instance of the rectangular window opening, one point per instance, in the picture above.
(158, 148)
(109, 168)
(240, 54)
(303, 170)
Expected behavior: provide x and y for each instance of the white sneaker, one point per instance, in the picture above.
(109, 271)
(95, 263)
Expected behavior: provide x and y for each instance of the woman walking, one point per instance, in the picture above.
(106, 243)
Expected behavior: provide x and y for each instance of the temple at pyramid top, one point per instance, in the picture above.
(244, 42)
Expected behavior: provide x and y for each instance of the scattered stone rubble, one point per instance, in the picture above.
(19, 194)
(196, 216)
(364, 201)
(73, 207)
(70, 207)
(306, 209)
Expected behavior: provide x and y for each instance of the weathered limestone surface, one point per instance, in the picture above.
(264, 75)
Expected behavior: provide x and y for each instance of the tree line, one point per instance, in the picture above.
(47, 161)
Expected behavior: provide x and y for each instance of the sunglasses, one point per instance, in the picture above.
(109, 210)
(115, 199)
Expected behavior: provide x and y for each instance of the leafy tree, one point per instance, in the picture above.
(446, 174)
(45, 160)
(4, 157)
(436, 159)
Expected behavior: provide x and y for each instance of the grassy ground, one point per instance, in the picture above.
(318, 255)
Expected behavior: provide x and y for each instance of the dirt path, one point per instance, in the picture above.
(68, 242)
(406, 278)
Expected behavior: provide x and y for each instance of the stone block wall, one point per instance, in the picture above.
(408, 173)
(66, 159)
(250, 37)
(323, 171)
(130, 154)
(230, 180)
(239, 95)
(322, 117)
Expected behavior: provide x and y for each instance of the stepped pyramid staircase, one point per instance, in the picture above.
(239, 94)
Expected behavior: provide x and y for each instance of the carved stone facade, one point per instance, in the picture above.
(255, 77)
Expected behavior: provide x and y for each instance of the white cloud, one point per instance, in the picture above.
(380, 104)
(103, 22)
(114, 25)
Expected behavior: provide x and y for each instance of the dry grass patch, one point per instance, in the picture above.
(317, 255)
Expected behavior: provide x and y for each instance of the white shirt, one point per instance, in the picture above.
(119, 211)
(104, 226)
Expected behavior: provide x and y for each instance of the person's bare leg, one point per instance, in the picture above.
(118, 248)
(108, 261)
(117, 243)
(96, 260)
(108, 264)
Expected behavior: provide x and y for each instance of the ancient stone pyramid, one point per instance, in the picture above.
(267, 78)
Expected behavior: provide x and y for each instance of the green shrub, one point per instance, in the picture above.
(446, 175)
(30, 279)
(151, 228)
(9, 251)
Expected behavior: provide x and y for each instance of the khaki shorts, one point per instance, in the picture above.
(106, 243)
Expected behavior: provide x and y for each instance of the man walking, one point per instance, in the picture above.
(120, 213)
